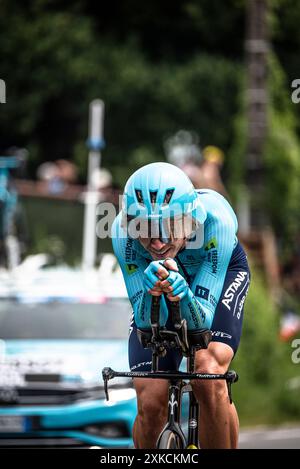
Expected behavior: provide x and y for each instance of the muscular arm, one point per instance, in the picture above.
(198, 306)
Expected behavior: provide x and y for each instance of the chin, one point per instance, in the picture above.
(158, 257)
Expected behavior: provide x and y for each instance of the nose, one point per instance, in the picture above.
(157, 244)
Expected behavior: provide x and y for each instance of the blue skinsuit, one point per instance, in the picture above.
(203, 267)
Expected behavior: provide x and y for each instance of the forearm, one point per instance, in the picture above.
(142, 311)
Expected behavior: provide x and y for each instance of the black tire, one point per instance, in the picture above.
(170, 440)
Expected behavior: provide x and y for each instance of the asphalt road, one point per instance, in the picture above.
(267, 438)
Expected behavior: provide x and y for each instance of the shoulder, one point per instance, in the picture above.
(125, 248)
(218, 209)
(116, 226)
(118, 237)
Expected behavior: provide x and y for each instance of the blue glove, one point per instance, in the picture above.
(178, 283)
(153, 274)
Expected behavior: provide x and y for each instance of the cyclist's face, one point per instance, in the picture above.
(166, 238)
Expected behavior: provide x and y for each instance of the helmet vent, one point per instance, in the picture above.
(153, 196)
(139, 196)
(168, 196)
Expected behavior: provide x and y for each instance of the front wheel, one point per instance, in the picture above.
(170, 440)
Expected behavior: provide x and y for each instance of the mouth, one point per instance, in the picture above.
(160, 255)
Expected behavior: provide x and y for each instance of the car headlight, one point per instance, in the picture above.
(108, 430)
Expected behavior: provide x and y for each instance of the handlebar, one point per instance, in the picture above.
(155, 307)
(160, 340)
(108, 373)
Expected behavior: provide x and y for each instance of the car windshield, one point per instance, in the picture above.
(59, 320)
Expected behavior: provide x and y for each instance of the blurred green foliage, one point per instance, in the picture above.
(55, 64)
(158, 67)
(264, 392)
(281, 159)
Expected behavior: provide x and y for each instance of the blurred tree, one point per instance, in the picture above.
(152, 102)
(286, 34)
(47, 61)
(281, 156)
(55, 62)
(173, 30)
(158, 66)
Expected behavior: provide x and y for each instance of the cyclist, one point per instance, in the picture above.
(174, 240)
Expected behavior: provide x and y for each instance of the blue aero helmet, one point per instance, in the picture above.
(158, 193)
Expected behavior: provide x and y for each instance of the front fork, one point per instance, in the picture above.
(174, 408)
(193, 425)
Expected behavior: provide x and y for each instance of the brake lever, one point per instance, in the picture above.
(107, 374)
(231, 377)
(183, 337)
(179, 324)
(185, 341)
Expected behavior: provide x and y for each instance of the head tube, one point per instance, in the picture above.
(165, 228)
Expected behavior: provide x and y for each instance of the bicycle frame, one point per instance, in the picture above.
(176, 385)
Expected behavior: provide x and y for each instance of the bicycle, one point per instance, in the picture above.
(159, 340)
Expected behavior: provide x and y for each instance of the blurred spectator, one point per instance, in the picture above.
(49, 173)
(67, 171)
(13, 229)
(290, 295)
(22, 155)
(289, 326)
(58, 175)
(203, 168)
(183, 150)
(213, 159)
